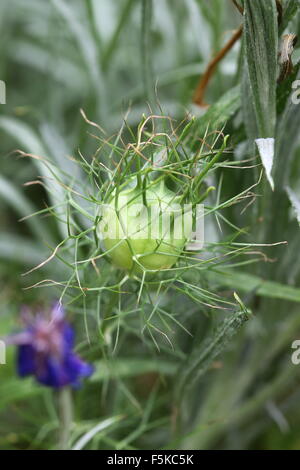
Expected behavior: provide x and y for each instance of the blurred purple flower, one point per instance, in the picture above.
(46, 350)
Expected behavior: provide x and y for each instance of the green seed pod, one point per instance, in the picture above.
(145, 228)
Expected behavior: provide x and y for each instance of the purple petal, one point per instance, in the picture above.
(68, 337)
(57, 312)
(59, 374)
(25, 337)
(52, 374)
(26, 360)
(77, 368)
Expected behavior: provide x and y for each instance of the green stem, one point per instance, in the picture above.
(146, 46)
(65, 407)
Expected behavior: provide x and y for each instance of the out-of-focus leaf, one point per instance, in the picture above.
(287, 141)
(66, 72)
(32, 144)
(219, 113)
(22, 207)
(113, 42)
(200, 28)
(290, 8)
(14, 390)
(261, 44)
(244, 282)
(21, 250)
(285, 87)
(87, 437)
(24, 135)
(266, 152)
(131, 367)
(146, 49)
(86, 45)
(295, 201)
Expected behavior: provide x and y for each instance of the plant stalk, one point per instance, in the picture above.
(65, 408)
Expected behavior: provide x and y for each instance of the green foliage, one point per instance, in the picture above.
(261, 50)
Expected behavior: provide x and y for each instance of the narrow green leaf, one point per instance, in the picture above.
(219, 113)
(146, 49)
(85, 42)
(111, 48)
(248, 107)
(261, 43)
(23, 207)
(87, 437)
(244, 282)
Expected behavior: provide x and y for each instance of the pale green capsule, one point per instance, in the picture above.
(150, 236)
